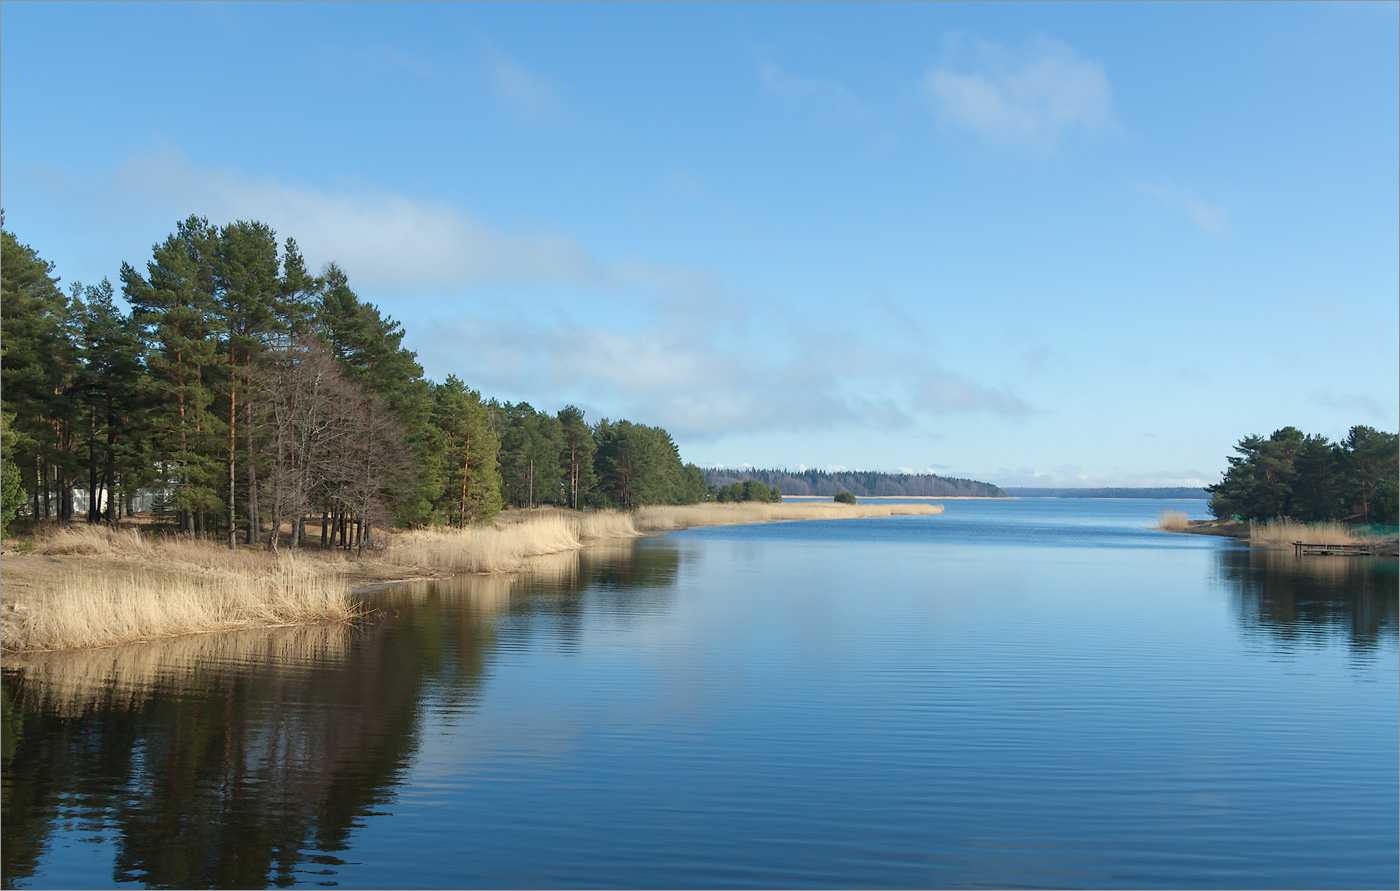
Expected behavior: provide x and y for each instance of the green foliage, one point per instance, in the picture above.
(532, 444)
(1306, 477)
(472, 482)
(40, 364)
(844, 498)
(12, 494)
(638, 465)
(748, 490)
(577, 455)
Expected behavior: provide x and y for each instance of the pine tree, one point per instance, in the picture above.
(175, 306)
(472, 489)
(39, 358)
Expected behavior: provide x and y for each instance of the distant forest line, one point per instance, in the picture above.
(861, 483)
(1158, 492)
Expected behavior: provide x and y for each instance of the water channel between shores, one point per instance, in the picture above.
(1017, 693)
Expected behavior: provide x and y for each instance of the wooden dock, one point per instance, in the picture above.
(1334, 550)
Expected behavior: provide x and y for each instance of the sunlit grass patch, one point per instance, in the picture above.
(484, 548)
(1283, 533)
(111, 605)
(657, 518)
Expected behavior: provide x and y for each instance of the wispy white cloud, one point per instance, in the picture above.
(386, 241)
(832, 100)
(1074, 476)
(1029, 98)
(1370, 407)
(944, 392)
(707, 379)
(627, 337)
(530, 95)
(1210, 218)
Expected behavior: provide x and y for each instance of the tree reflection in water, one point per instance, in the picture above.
(247, 759)
(1313, 601)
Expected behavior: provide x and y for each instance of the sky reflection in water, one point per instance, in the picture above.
(1014, 693)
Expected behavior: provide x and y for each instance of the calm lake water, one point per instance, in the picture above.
(1036, 693)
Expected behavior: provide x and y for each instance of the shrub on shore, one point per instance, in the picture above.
(844, 498)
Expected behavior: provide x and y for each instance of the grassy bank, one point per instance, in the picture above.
(663, 518)
(1274, 534)
(91, 586)
(519, 536)
(1280, 534)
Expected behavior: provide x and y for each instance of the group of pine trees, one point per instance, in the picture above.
(748, 490)
(1307, 477)
(251, 395)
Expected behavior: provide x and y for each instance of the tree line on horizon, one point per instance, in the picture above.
(1106, 492)
(255, 394)
(862, 483)
(1308, 477)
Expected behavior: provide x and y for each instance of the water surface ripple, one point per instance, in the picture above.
(1014, 694)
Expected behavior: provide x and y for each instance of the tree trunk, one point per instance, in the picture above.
(254, 518)
(232, 450)
(94, 509)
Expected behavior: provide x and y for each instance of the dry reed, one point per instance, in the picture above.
(1173, 521)
(660, 518)
(121, 586)
(1283, 533)
(484, 548)
(112, 606)
(524, 536)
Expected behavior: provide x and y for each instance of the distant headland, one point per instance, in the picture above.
(862, 483)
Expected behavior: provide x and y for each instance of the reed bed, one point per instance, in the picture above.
(118, 586)
(1282, 534)
(1173, 521)
(198, 555)
(107, 606)
(522, 537)
(661, 518)
(484, 548)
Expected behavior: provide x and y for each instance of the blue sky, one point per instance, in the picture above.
(1035, 244)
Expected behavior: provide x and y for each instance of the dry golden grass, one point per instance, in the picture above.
(95, 587)
(118, 605)
(1172, 521)
(523, 536)
(484, 548)
(1282, 534)
(199, 555)
(660, 518)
